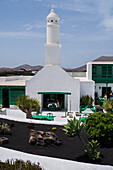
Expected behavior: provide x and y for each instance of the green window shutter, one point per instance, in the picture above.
(102, 73)
(14, 94)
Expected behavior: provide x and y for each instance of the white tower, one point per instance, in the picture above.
(52, 46)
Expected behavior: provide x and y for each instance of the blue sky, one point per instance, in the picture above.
(86, 31)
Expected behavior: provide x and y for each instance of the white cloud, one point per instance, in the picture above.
(29, 27)
(107, 23)
(23, 35)
(105, 13)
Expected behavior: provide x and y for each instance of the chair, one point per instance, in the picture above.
(52, 107)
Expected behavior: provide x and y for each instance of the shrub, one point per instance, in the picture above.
(87, 100)
(108, 105)
(99, 126)
(73, 127)
(91, 152)
(19, 164)
(5, 129)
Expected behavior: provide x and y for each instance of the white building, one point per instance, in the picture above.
(52, 82)
(101, 71)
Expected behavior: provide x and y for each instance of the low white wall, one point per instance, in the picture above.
(49, 163)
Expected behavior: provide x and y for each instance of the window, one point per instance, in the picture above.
(51, 20)
(55, 20)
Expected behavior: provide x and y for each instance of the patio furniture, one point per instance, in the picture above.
(83, 118)
(41, 117)
(83, 108)
(52, 107)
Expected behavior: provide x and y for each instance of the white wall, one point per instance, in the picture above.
(89, 71)
(50, 163)
(87, 88)
(54, 79)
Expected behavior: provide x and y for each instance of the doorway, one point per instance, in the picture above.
(106, 89)
(5, 98)
(53, 98)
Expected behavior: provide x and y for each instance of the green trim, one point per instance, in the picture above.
(54, 93)
(10, 87)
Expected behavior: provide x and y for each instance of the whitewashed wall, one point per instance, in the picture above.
(87, 88)
(55, 79)
(89, 71)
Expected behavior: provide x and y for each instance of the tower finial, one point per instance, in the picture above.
(52, 10)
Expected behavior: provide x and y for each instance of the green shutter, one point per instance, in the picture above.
(14, 94)
(102, 73)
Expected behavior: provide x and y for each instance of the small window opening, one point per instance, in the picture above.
(55, 20)
(51, 20)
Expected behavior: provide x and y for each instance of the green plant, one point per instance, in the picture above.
(19, 164)
(28, 105)
(73, 127)
(91, 152)
(5, 129)
(87, 100)
(108, 105)
(99, 126)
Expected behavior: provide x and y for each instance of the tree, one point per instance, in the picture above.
(28, 105)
